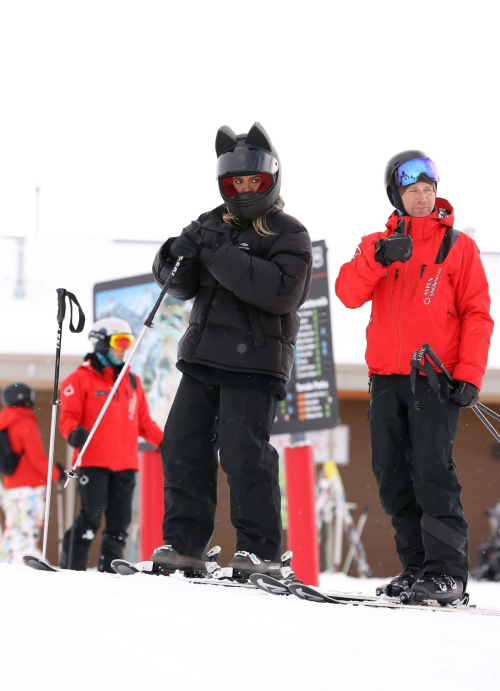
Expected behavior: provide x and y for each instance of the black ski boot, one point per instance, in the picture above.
(439, 587)
(403, 581)
(243, 564)
(166, 559)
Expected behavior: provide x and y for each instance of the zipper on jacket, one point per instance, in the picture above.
(393, 295)
(420, 274)
(401, 305)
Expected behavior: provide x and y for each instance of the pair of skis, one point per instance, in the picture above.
(305, 592)
(274, 586)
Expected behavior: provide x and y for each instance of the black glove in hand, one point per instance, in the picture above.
(186, 245)
(465, 395)
(224, 234)
(78, 437)
(62, 476)
(396, 248)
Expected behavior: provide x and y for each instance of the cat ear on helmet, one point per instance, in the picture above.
(258, 136)
(225, 140)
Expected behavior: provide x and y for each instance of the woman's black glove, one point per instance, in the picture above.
(223, 234)
(465, 395)
(396, 248)
(78, 437)
(186, 245)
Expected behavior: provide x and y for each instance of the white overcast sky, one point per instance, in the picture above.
(112, 108)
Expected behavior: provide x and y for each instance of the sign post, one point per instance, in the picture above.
(311, 404)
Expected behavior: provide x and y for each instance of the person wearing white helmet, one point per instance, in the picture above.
(108, 468)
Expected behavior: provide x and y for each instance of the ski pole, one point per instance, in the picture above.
(478, 408)
(148, 324)
(62, 294)
(72, 532)
(60, 517)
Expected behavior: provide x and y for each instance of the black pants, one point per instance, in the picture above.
(100, 490)
(237, 421)
(413, 465)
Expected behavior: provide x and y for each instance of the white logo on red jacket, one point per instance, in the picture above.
(132, 405)
(430, 287)
(69, 390)
(357, 253)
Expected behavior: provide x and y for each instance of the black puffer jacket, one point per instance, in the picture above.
(244, 317)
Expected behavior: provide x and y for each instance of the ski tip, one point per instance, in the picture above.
(269, 584)
(123, 568)
(37, 563)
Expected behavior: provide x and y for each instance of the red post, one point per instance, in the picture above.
(151, 503)
(302, 532)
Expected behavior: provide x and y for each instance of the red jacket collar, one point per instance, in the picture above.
(420, 228)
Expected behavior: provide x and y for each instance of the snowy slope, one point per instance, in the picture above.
(92, 631)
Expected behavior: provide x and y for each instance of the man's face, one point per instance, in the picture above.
(418, 199)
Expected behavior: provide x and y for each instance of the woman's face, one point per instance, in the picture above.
(246, 183)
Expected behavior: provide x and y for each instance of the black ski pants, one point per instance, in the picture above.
(237, 422)
(413, 465)
(100, 490)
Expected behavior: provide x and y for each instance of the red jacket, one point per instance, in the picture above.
(24, 436)
(114, 445)
(440, 296)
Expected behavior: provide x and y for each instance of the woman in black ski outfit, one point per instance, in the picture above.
(248, 266)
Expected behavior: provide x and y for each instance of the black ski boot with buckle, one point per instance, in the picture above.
(167, 560)
(243, 564)
(403, 581)
(437, 587)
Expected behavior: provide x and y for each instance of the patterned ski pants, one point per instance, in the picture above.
(24, 510)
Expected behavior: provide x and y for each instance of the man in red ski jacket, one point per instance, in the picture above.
(24, 499)
(427, 285)
(109, 465)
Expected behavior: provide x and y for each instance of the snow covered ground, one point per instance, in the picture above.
(96, 631)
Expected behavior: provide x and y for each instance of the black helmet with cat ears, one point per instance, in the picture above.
(247, 154)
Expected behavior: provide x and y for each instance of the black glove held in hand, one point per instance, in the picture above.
(465, 395)
(186, 245)
(395, 248)
(62, 477)
(78, 437)
(225, 233)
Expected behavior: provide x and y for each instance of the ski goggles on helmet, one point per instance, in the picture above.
(121, 341)
(409, 173)
(230, 190)
(243, 161)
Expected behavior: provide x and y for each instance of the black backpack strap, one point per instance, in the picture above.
(449, 239)
(133, 380)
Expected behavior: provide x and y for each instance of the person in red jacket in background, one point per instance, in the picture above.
(24, 496)
(109, 465)
(427, 285)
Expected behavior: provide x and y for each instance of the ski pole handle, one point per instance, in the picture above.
(149, 319)
(479, 408)
(427, 349)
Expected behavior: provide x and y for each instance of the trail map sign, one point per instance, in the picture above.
(311, 403)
